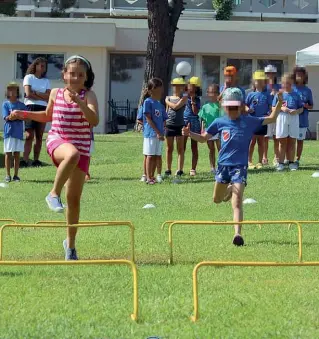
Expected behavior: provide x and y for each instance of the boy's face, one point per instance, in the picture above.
(212, 93)
(12, 92)
(157, 92)
(233, 111)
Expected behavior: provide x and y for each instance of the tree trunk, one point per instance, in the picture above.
(163, 17)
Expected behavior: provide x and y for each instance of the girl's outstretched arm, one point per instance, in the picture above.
(197, 137)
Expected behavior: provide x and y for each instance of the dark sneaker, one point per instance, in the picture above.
(168, 173)
(179, 173)
(54, 203)
(7, 178)
(36, 163)
(70, 253)
(238, 240)
(24, 164)
(16, 178)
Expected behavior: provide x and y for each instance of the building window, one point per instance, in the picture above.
(210, 71)
(55, 64)
(279, 64)
(244, 68)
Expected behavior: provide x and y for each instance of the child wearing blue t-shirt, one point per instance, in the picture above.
(287, 125)
(300, 76)
(258, 104)
(236, 131)
(154, 117)
(13, 130)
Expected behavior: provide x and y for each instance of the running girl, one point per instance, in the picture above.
(258, 104)
(73, 110)
(208, 113)
(191, 117)
(287, 126)
(236, 131)
(175, 106)
(272, 87)
(13, 130)
(300, 76)
(154, 125)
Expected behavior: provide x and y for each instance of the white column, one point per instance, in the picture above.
(198, 65)
(105, 114)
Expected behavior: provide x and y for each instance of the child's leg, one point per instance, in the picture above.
(194, 146)
(266, 143)
(276, 147)
(39, 130)
(8, 158)
(73, 193)
(150, 166)
(67, 157)
(237, 204)
(29, 136)
(291, 149)
(159, 164)
(16, 163)
(282, 149)
(169, 152)
(251, 149)
(180, 151)
(299, 149)
(220, 192)
(261, 147)
(212, 159)
(217, 144)
(144, 164)
(185, 143)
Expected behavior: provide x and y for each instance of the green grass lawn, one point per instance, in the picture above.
(96, 301)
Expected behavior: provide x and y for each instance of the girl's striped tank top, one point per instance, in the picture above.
(69, 124)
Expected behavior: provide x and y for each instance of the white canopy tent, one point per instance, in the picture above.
(308, 56)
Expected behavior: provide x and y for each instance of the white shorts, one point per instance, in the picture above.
(214, 137)
(287, 125)
(152, 146)
(92, 147)
(302, 133)
(271, 130)
(13, 145)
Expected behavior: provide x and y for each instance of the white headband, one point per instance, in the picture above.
(77, 57)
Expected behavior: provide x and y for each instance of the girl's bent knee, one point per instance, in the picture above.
(73, 157)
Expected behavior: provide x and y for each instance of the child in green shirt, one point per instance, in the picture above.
(208, 113)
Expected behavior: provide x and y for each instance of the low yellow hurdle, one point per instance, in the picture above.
(134, 315)
(236, 263)
(62, 224)
(227, 223)
(8, 220)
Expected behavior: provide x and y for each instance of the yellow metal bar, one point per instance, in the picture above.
(8, 220)
(237, 263)
(166, 223)
(227, 223)
(62, 224)
(134, 315)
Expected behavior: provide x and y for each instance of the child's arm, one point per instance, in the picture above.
(43, 96)
(89, 107)
(195, 105)
(43, 116)
(275, 111)
(178, 105)
(197, 137)
(5, 111)
(296, 111)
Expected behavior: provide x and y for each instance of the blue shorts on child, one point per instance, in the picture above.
(152, 146)
(11, 145)
(231, 174)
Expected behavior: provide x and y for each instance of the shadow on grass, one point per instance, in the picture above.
(11, 274)
(39, 181)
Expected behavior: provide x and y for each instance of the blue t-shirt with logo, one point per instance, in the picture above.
(291, 100)
(305, 95)
(235, 136)
(188, 112)
(241, 89)
(158, 115)
(260, 102)
(14, 128)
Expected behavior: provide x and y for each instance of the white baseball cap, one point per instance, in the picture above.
(270, 69)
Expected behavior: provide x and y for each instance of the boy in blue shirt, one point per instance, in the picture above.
(236, 131)
(300, 76)
(13, 130)
(154, 117)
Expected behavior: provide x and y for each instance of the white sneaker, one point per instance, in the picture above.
(143, 179)
(293, 166)
(159, 178)
(280, 167)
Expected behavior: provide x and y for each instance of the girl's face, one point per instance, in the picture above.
(12, 93)
(156, 93)
(300, 78)
(212, 93)
(233, 112)
(271, 76)
(178, 89)
(75, 76)
(191, 89)
(40, 68)
(260, 83)
(286, 85)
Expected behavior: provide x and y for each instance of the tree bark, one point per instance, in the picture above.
(162, 24)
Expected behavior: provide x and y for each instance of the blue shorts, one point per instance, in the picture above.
(231, 174)
(195, 124)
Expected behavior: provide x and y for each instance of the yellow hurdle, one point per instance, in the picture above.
(134, 315)
(236, 263)
(62, 224)
(227, 223)
(8, 220)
